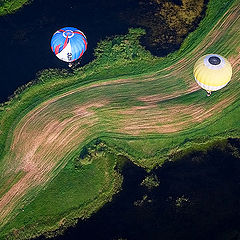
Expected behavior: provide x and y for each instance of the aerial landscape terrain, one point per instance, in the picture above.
(119, 126)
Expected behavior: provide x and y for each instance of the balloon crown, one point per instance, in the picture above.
(68, 33)
(214, 60)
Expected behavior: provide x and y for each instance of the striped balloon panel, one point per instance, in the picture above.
(68, 44)
(212, 72)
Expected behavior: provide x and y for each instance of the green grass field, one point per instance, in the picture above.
(146, 108)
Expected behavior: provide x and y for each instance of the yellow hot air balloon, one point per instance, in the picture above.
(212, 72)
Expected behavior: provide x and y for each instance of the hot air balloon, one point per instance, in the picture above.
(68, 44)
(212, 72)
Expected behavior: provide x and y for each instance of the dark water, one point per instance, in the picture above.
(208, 183)
(26, 35)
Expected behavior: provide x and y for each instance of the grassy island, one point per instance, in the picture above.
(63, 137)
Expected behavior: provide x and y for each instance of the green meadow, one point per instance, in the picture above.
(64, 134)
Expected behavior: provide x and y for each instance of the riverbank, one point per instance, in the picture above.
(118, 98)
(31, 39)
(198, 192)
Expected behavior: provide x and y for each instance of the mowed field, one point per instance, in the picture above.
(146, 118)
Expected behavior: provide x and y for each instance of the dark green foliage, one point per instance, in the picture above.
(122, 48)
(96, 144)
(10, 6)
(151, 181)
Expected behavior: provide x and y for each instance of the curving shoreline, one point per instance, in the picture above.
(107, 116)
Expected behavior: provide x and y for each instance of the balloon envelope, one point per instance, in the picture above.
(212, 72)
(68, 44)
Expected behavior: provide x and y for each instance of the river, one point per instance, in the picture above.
(197, 197)
(26, 35)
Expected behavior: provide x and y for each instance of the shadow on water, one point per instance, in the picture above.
(197, 198)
